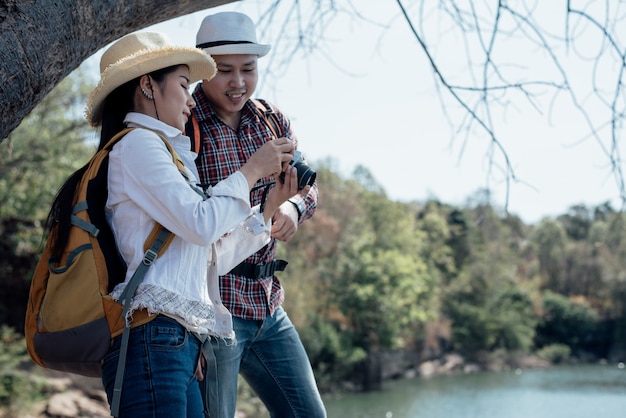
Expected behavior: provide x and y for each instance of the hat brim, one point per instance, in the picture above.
(201, 67)
(238, 49)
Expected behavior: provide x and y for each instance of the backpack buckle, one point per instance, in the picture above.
(149, 257)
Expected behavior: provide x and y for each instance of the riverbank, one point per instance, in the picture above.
(77, 396)
(390, 365)
(455, 363)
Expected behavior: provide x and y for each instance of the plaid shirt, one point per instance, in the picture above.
(227, 150)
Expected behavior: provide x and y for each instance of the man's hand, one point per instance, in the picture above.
(200, 367)
(285, 222)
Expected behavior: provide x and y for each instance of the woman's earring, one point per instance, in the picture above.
(145, 93)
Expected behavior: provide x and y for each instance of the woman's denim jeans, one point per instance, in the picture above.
(160, 379)
(272, 359)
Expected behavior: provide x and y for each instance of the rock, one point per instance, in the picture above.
(451, 363)
(428, 368)
(74, 403)
(471, 368)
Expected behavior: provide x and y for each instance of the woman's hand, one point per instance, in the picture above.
(268, 160)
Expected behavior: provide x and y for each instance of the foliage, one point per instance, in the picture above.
(488, 316)
(331, 353)
(577, 222)
(486, 305)
(549, 239)
(565, 321)
(34, 161)
(555, 353)
(384, 287)
(42, 151)
(515, 321)
(18, 389)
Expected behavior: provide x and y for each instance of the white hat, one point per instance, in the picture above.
(141, 53)
(229, 33)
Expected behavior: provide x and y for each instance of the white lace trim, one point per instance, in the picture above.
(157, 300)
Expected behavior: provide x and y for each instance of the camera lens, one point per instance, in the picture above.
(306, 175)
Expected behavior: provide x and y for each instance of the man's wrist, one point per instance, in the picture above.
(299, 204)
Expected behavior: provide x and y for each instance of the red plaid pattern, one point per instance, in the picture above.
(224, 151)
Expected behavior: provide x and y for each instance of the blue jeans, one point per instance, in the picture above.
(160, 379)
(271, 358)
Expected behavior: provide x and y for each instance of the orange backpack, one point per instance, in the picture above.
(70, 317)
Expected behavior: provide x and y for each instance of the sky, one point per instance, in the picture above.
(365, 95)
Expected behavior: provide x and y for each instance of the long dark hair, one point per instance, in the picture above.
(115, 107)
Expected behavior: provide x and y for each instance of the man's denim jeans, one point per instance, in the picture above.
(272, 359)
(160, 378)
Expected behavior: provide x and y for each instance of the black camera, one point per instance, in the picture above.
(306, 175)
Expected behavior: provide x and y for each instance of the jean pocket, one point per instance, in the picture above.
(172, 337)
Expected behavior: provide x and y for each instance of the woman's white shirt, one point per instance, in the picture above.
(145, 186)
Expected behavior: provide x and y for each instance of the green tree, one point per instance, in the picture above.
(616, 235)
(386, 298)
(489, 303)
(487, 315)
(566, 321)
(34, 161)
(18, 389)
(433, 223)
(515, 320)
(577, 222)
(459, 238)
(46, 147)
(549, 239)
(382, 286)
(463, 303)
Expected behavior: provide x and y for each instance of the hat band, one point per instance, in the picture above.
(219, 43)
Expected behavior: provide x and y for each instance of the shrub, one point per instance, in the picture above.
(566, 322)
(555, 353)
(18, 389)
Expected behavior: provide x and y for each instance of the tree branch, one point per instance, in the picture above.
(41, 42)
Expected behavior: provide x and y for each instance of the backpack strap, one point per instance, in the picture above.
(263, 110)
(156, 247)
(268, 116)
(175, 159)
(192, 130)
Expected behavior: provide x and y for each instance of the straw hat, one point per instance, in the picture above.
(141, 53)
(229, 33)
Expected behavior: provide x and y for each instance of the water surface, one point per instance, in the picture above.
(559, 392)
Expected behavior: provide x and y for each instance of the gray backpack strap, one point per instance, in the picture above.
(125, 298)
(210, 394)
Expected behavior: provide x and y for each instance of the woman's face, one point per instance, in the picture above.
(172, 98)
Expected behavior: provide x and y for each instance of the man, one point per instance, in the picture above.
(268, 352)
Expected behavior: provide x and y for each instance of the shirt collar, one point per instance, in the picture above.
(141, 120)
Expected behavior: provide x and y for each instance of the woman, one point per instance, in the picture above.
(145, 85)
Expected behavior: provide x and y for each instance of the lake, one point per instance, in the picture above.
(557, 392)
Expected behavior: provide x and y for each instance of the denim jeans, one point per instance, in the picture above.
(160, 379)
(271, 358)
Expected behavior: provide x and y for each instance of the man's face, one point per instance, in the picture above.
(234, 83)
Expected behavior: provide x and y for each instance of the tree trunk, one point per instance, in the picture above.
(42, 41)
